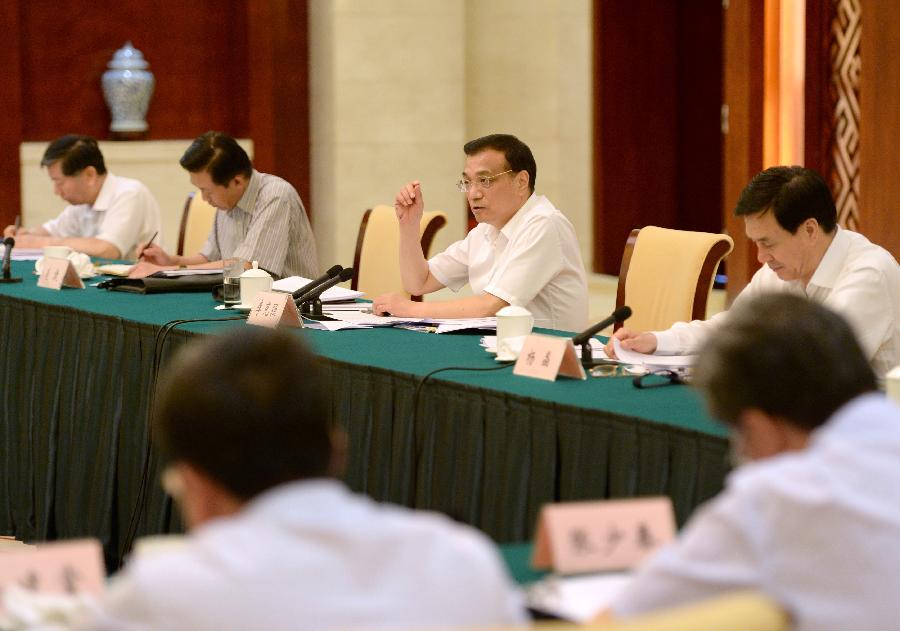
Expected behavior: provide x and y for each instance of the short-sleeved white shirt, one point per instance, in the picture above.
(124, 214)
(534, 261)
(855, 278)
(816, 530)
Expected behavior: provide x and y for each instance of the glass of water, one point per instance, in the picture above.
(231, 273)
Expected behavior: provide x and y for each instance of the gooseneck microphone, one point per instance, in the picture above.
(583, 339)
(313, 294)
(331, 273)
(9, 242)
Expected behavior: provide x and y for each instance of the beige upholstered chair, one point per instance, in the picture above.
(376, 265)
(196, 222)
(666, 275)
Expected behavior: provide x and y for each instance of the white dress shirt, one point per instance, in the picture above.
(534, 261)
(816, 530)
(856, 278)
(312, 555)
(268, 225)
(124, 214)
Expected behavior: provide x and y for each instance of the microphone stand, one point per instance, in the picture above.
(7, 278)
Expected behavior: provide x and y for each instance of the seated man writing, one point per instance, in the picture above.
(790, 215)
(812, 519)
(276, 541)
(260, 218)
(107, 216)
(523, 251)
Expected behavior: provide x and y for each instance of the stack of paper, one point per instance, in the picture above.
(653, 362)
(332, 294)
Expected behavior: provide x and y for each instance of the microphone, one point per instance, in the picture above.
(9, 242)
(331, 273)
(583, 339)
(312, 296)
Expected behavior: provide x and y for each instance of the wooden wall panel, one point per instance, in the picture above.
(657, 147)
(196, 50)
(880, 124)
(743, 149)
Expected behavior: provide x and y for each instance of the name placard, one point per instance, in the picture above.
(56, 273)
(274, 308)
(545, 357)
(67, 567)
(578, 537)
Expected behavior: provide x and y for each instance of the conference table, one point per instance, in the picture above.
(489, 448)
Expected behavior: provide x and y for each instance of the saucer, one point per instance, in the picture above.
(242, 308)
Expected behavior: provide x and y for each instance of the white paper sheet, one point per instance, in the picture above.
(578, 598)
(652, 361)
(332, 294)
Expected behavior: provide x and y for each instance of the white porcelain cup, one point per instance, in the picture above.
(513, 324)
(57, 251)
(253, 281)
(892, 385)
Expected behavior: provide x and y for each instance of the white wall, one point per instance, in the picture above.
(398, 86)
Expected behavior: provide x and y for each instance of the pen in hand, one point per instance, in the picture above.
(149, 243)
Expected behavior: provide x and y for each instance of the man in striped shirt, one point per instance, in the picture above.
(262, 218)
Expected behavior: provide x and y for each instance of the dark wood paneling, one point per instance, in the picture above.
(10, 114)
(657, 147)
(818, 92)
(197, 51)
(279, 90)
(879, 163)
(743, 146)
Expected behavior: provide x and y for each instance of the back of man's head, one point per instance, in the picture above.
(518, 155)
(784, 355)
(793, 194)
(249, 408)
(74, 153)
(219, 155)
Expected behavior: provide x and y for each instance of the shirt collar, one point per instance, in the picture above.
(832, 263)
(104, 197)
(509, 229)
(247, 202)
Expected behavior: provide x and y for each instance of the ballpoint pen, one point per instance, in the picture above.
(150, 242)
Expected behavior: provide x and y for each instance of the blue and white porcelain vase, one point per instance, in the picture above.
(127, 87)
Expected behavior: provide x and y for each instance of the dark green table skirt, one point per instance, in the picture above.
(488, 448)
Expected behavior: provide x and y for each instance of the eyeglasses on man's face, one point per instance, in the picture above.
(483, 181)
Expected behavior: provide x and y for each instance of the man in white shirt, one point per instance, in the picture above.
(790, 215)
(108, 216)
(812, 521)
(523, 252)
(276, 542)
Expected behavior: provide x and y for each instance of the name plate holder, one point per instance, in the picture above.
(546, 356)
(273, 309)
(59, 273)
(69, 567)
(579, 537)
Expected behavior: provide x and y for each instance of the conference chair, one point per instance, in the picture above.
(666, 275)
(196, 222)
(376, 264)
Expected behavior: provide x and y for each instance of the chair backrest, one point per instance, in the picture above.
(666, 275)
(376, 264)
(196, 222)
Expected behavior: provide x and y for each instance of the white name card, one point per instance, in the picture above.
(56, 273)
(578, 537)
(274, 308)
(66, 567)
(546, 356)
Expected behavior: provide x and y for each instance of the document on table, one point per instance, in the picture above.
(332, 294)
(578, 598)
(26, 254)
(653, 361)
(489, 342)
(175, 273)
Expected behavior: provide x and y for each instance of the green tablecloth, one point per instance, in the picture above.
(486, 447)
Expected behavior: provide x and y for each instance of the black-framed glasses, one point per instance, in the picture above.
(658, 379)
(483, 181)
